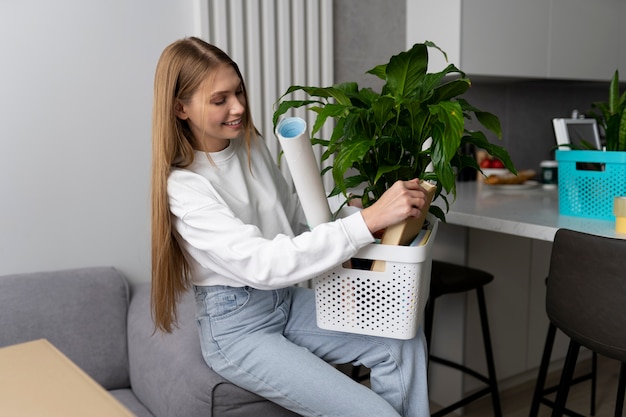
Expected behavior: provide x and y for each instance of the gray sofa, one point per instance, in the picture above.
(94, 318)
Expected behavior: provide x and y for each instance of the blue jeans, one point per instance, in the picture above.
(268, 343)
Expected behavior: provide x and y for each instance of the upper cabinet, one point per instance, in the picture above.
(622, 42)
(558, 39)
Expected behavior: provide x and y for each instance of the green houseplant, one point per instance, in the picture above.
(611, 116)
(414, 127)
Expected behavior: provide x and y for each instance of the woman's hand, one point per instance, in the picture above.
(402, 200)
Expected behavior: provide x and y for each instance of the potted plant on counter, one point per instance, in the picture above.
(612, 116)
(415, 126)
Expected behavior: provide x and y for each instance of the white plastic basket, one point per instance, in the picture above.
(389, 303)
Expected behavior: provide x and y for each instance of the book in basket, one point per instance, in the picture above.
(405, 232)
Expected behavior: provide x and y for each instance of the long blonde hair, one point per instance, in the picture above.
(181, 69)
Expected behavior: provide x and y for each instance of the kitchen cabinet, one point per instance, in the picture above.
(622, 42)
(584, 39)
(557, 39)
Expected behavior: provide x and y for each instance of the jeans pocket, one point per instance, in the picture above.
(222, 302)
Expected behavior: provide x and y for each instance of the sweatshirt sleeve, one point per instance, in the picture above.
(226, 248)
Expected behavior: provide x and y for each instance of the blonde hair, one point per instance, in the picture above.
(181, 69)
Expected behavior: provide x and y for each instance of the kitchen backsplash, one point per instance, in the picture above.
(526, 109)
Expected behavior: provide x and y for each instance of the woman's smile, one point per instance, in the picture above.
(234, 123)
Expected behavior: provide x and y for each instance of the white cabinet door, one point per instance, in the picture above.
(560, 39)
(438, 21)
(508, 259)
(622, 44)
(585, 39)
(505, 37)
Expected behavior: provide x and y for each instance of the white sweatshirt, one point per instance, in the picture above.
(242, 227)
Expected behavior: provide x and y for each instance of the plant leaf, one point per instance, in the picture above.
(614, 94)
(449, 128)
(380, 71)
(382, 111)
(353, 150)
(329, 110)
(405, 70)
(437, 212)
(621, 136)
(451, 89)
(285, 106)
(490, 121)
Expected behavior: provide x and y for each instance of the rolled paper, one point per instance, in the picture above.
(294, 138)
(619, 209)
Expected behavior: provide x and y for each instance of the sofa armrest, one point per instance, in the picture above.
(169, 375)
(82, 312)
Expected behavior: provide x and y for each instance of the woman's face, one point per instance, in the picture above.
(215, 111)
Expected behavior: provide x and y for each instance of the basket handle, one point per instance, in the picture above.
(590, 166)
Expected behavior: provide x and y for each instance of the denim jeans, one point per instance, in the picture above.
(268, 343)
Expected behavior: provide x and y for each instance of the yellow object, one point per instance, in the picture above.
(619, 209)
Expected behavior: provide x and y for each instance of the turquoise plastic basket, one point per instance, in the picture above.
(589, 181)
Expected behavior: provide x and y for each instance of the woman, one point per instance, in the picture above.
(226, 224)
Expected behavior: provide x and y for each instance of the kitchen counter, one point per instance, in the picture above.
(531, 213)
(508, 233)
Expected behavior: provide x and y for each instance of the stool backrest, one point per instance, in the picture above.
(586, 291)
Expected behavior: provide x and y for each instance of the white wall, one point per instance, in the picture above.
(75, 117)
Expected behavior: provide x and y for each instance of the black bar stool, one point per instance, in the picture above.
(585, 299)
(542, 392)
(447, 278)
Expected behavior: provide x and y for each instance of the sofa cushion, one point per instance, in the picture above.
(182, 385)
(127, 397)
(80, 311)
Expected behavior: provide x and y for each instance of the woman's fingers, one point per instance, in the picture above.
(402, 200)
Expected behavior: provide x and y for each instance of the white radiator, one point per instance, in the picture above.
(276, 43)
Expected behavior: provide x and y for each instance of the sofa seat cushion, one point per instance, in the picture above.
(232, 401)
(126, 397)
(182, 385)
(82, 312)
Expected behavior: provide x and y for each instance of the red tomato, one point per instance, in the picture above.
(496, 163)
(485, 163)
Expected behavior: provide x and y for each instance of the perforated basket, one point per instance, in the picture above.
(389, 303)
(589, 181)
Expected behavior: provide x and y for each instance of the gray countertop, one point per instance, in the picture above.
(523, 211)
